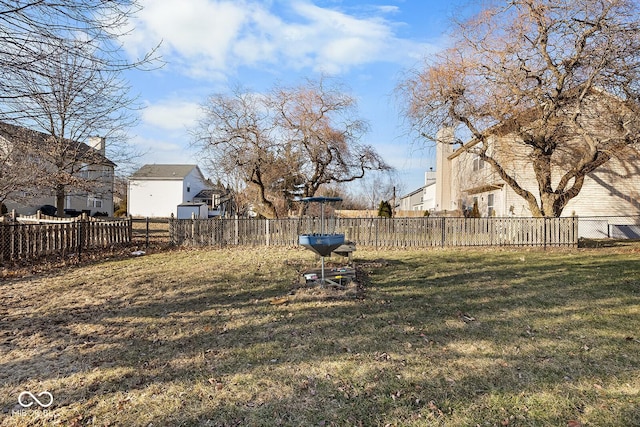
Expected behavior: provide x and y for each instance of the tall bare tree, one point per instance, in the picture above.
(323, 134)
(549, 84)
(61, 64)
(237, 136)
(290, 141)
(74, 99)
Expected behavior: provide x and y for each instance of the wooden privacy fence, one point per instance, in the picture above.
(380, 232)
(25, 240)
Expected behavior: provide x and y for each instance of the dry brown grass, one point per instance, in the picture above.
(228, 337)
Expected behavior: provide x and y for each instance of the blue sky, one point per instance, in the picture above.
(209, 44)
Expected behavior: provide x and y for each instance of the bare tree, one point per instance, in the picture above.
(18, 166)
(323, 134)
(76, 99)
(61, 63)
(236, 134)
(380, 186)
(549, 85)
(291, 141)
(33, 31)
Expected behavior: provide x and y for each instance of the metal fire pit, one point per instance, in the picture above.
(321, 243)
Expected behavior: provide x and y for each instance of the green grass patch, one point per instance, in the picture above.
(229, 337)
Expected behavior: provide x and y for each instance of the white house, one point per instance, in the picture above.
(422, 199)
(463, 178)
(157, 190)
(87, 162)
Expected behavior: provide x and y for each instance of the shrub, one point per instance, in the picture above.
(384, 210)
(475, 212)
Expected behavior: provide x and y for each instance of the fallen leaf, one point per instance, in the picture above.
(574, 423)
(76, 421)
(279, 301)
(217, 384)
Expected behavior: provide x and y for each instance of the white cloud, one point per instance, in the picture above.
(161, 148)
(171, 114)
(388, 9)
(155, 146)
(341, 41)
(212, 38)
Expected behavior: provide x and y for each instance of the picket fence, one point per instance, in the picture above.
(380, 232)
(36, 237)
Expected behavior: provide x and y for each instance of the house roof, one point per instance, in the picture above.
(164, 172)
(483, 188)
(208, 193)
(12, 132)
(419, 190)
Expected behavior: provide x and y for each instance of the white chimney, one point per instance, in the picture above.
(97, 143)
(444, 148)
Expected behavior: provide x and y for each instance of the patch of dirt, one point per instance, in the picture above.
(315, 292)
(354, 289)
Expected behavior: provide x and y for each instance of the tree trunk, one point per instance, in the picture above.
(60, 197)
(269, 211)
(548, 205)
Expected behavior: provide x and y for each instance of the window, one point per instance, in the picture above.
(84, 172)
(478, 163)
(490, 210)
(94, 202)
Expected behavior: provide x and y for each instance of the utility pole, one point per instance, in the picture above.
(393, 207)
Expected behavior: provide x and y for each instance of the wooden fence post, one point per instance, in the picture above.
(3, 234)
(267, 231)
(193, 229)
(237, 231)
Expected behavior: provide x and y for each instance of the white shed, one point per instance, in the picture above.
(193, 210)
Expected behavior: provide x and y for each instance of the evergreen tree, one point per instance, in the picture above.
(384, 209)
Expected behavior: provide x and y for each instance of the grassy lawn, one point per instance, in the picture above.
(228, 337)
